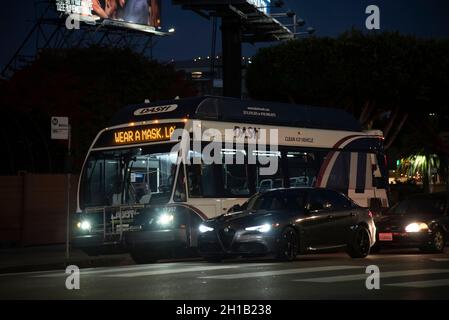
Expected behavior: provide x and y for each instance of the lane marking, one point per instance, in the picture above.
(422, 284)
(279, 272)
(388, 274)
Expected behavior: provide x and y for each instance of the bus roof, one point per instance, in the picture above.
(240, 111)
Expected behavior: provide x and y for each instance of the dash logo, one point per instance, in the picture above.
(154, 110)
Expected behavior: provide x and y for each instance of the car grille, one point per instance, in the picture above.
(226, 237)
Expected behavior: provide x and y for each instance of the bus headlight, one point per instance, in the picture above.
(202, 228)
(262, 228)
(416, 227)
(84, 225)
(165, 219)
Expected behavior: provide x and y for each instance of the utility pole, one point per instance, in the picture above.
(232, 56)
(68, 170)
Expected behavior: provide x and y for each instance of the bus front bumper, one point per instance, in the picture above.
(156, 238)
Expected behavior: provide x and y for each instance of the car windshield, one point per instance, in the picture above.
(419, 205)
(128, 176)
(276, 200)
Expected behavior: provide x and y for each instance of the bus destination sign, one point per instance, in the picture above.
(137, 134)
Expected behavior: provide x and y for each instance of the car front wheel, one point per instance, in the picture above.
(437, 243)
(288, 245)
(360, 244)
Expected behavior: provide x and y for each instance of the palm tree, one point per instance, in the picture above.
(421, 165)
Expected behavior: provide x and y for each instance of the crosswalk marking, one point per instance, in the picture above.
(440, 259)
(422, 284)
(161, 266)
(197, 268)
(388, 274)
(278, 272)
(170, 271)
(12, 274)
(103, 270)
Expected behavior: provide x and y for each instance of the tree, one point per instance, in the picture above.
(88, 85)
(386, 80)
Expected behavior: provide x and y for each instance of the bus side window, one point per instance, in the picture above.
(203, 180)
(180, 190)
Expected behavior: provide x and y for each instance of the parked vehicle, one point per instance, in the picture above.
(287, 222)
(420, 221)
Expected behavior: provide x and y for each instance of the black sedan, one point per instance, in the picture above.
(287, 222)
(420, 221)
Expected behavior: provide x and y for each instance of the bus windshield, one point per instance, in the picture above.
(138, 175)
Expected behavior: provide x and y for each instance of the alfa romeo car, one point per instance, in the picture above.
(286, 222)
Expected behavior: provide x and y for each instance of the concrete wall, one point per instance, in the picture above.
(33, 208)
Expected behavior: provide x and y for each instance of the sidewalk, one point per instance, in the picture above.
(42, 258)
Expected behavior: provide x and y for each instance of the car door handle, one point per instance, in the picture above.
(353, 214)
(330, 216)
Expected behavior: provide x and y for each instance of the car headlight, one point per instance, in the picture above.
(262, 228)
(202, 228)
(165, 219)
(84, 225)
(416, 227)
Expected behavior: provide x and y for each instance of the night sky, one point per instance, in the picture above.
(424, 18)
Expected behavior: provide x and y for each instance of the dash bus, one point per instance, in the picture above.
(135, 193)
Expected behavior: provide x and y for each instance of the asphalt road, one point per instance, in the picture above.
(403, 275)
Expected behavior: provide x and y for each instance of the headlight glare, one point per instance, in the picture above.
(262, 228)
(84, 225)
(416, 227)
(165, 219)
(202, 228)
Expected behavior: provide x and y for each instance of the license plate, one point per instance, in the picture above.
(122, 227)
(386, 236)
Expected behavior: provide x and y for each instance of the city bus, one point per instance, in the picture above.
(139, 190)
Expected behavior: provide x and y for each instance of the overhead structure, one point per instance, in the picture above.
(256, 24)
(242, 21)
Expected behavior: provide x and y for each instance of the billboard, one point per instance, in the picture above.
(142, 12)
(261, 5)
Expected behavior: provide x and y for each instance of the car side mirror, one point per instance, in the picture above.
(316, 206)
(235, 208)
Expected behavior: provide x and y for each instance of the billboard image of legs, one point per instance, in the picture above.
(143, 12)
